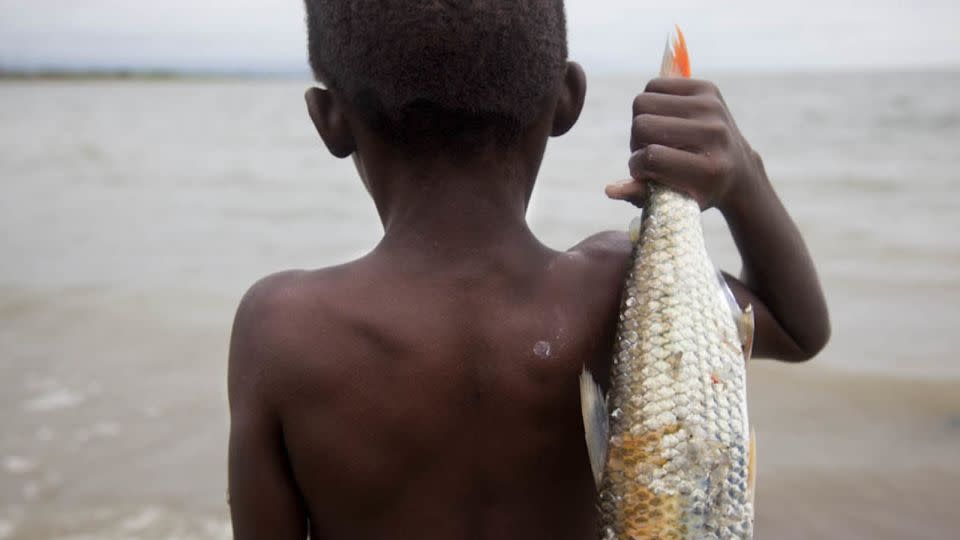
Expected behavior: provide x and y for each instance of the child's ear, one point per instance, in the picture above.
(329, 117)
(570, 101)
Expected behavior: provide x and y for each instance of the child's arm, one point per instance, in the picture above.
(264, 499)
(683, 136)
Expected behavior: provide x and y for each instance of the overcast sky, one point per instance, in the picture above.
(609, 35)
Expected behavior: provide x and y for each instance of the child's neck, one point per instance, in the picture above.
(447, 212)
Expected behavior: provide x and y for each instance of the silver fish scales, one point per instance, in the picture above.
(671, 445)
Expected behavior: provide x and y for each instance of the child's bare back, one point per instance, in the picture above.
(437, 404)
(430, 389)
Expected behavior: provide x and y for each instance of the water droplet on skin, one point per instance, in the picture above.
(542, 349)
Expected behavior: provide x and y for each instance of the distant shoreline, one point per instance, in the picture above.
(144, 75)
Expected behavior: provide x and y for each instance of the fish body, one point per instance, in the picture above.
(671, 446)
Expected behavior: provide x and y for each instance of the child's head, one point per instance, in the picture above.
(440, 71)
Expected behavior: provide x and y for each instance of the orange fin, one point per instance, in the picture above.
(681, 58)
(676, 59)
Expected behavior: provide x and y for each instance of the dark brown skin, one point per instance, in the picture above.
(410, 393)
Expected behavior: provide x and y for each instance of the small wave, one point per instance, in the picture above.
(920, 123)
(866, 184)
(106, 429)
(100, 430)
(19, 465)
(31, 490)
(45, 434)
(55, 399)
(150, 522)
(6, 529)
(142, 520)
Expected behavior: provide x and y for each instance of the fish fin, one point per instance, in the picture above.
(729, 298)
(745, 327)
(596, 423)
(676, 59)
(681, 58)
(634, 231)
(666, 66)
(752, 468)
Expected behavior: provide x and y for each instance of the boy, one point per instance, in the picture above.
(429, 389)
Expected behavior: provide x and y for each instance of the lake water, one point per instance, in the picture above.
(135, 213)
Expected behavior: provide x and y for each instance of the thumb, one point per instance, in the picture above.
(630, 190)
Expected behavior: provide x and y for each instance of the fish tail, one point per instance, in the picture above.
(676, 59)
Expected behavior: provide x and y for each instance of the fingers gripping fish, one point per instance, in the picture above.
(670, 446)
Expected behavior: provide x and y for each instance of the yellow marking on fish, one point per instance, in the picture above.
(640, 513)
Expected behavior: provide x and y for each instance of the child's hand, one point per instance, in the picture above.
(684, 137)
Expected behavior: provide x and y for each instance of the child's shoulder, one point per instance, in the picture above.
(286, 313)
(598, 265)
(606, 255)
(278, 300)
(606, 245)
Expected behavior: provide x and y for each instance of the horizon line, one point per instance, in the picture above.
(65, 72)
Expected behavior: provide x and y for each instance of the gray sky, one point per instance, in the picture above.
(608, 35)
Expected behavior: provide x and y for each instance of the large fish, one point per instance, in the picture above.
(670, 447)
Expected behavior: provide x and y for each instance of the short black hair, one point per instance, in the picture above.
(440, 69)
